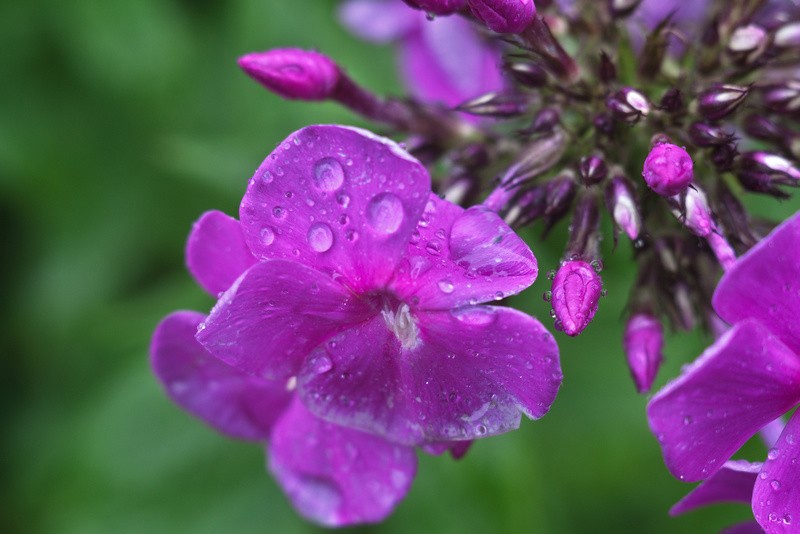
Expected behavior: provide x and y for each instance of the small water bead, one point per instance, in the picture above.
(323, 364)
(278, 212)
(773, 453)
(344, 219)
(440, 233)
(385, 213)
(687, 420)
(551, 274)
(279, 171)
(328, 174)
(480, 430)
(343, 199)
(433, 248)
(351, 235)
(775, 484)
(547, 296)
(267, 235)
(266, 177)
(446, 286)
(288, 194)
(320, 237)
(597, 265)
(418, 266)
(415, 237)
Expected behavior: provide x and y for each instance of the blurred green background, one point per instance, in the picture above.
(120, 123)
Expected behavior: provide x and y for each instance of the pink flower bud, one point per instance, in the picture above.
(293, 73)
(504, 16)
(697, 215)
(437, 7)
(668, 169)
(575, 294)
(622, 206)
(643, 341)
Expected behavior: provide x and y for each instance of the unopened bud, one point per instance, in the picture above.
(293, 73)
(788, 35)
(720, 100)
(527, 207)
(437, 7)
(763, 128)
(622, 8)
(747, 39)
(496, 105)
(592, 170)
(628, 105)
(672, 101)
(693, 211)
(603, 123)
(576, 293)
(643, 342)
(504, 16)
(527, 73)
(608, 70)
(723, 156)
(668, 169)
(704, 134)
(782, 97)
(622, 206)
(537, 157)
(545, 120)
(767, 163)
(762, 182)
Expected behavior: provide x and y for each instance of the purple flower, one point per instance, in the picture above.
(293, 73)
(444, 60)
(745, 380)
(668, 169)
(576, 292)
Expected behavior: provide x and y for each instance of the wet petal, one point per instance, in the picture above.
(741, 383)
(764, 284)
(468, 374)
(732, 483)
(462, 257)
(235, 404)
(337, 199)
(379, 21)
(274, 315)
(216, 252)
(748, 527)
(335, 475)
(776, 496)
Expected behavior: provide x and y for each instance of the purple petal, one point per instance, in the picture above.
(732, 483)
(457, 449)
(235, 404)
(748, 527)
(776, 496)
(337, 476)
(272, 317)
(447, 61)
(216, 252)
(337, 199)
(460, 376)
(764, 284)
(458, 257)
(379, 21)
(742, 382)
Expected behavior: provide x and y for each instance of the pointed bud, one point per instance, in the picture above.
(782, 97)
(527, 207)
(545, 120)
(592, 170)
(560, 192)
(765, 129)
(628, 105)
(643, 342)
(693, 211)
(504, 16)
(622, 8)
(603, 123)
(293, 73)
(437, 7)
(704, 134)
(608, 70)
(576, 293)
(723, 156)
(668, 169)
(527, 73)
(501, 105)
(772, 164)
(762, 182)
(537, 157)
(672, 101)
(720, 100)
(788, 35)
(584, 230)
(622, 206)
(747, 40)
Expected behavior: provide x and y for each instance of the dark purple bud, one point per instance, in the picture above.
(504, 16)
(747, 39)
(622, 8)
(643, 342)
(538, 38)
(672, 101)
(668, 169)
(527, 207)
(576, 294)
(545, 120)
(782, 97)
(496, 105)
(608, 70)
(584, 229)
(293, 73)
(704, 134)
(437, 7)
(761, 127)
(628, 105)
(592, 170)
(723, 156)
(537, 157)
(788, 35)
(762, 182)
(720, 100)
(560, 192)
(604, 124)
(473, 156)
(461, 189)
(621, 204)
(527, 73)
(773, 164)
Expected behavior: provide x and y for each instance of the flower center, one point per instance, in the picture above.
(403, 325)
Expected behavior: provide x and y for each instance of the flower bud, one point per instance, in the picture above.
(293, 73)
(527, 73)
(628, 105)
(576, 293)
(761, 127)
(747, 39)
(723, 156)
(693, 211)
(622, 206)
(762, 182)
(603, 123)
(545, 120)
(560, 192)
(608, 70)
(770, 164)
(495, 105)
(668, 169)
(622, 8)
(672, 101)
(782, 97)
(788, 35)
(537, 157)
(592, 170)
(720, 100)
(527, 207)
(437, 7)
(504, 16)
(643, 342)
(704, 134)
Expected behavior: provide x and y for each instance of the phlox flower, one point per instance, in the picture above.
(749, 377)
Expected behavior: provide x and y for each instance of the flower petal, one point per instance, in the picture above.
(764, 284)
(469, 374)
(337, 476)
(379, 21)
(457, 449)
(274, 315)
(776, 496)
(337, 199)
(732, 483)
(216, 252)
(741, 383)
(748, 527)
(462, 257)
(235, 404)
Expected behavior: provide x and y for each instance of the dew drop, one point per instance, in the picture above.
(266, 177)
(481, 430)
(267, 235)
(415, 237)
(351, 235)
(773, 453)
(343, 199)
(322, 364)
(278, 212)
(775, 484)
(433, 248)
(446, 286)
(320, 237)
(547, 296)
(419, 266)
(440, 233)
(385, 213)
(551, 274)
(328, 174)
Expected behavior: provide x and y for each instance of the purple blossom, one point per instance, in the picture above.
(293, 73)
(576, 292)
(744, 381)
(444, 60)
(668, 169)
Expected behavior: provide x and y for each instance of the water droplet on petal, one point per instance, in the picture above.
(343, 199)
(266, 177)
(773, 453)
(267, 235)
(433, 248)
(328, 174)
(419, 266)
(320, 237)
(776, 485)
(385, 213)
(278, 212)
(351, 235)
(322, 364)
(446, 286)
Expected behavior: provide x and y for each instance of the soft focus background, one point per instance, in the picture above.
(120, 123)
